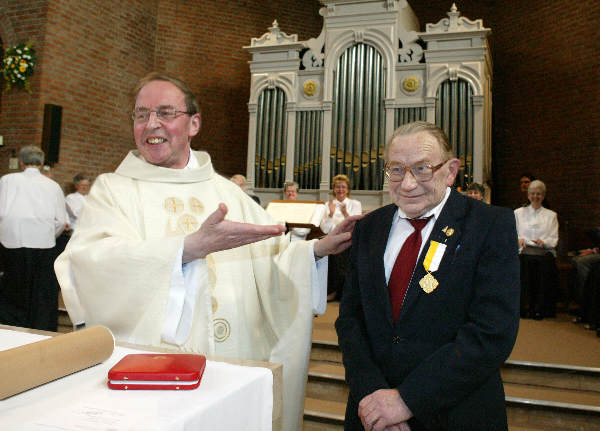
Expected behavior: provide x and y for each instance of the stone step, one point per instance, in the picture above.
(326, 382)
(64, 322)
(587, 402)
(528, 405)
(323, 415)
(553, 377)
(325, 351)
(523, 417)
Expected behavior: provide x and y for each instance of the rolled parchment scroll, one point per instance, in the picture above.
(34, 364)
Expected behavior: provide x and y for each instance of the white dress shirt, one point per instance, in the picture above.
(401, 229)
(535, 224)
(75, 203)
(353, 207)
(32, 210)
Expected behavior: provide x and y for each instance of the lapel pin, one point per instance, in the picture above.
(449, 231)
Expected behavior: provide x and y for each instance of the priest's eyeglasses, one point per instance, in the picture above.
(421, 173)
(164, 114)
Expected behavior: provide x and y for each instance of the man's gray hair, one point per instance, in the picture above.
(537, 185)
(421, 127)
(31, 155)
(291, 184)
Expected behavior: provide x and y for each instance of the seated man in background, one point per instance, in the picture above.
(290, 190)
(170, 254)
(583, 263)
(32, 215)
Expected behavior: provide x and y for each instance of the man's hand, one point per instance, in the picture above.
(403, 426)
(338, 240)
(539, 242)
(382, 409)
(521, 243)
(218, 234)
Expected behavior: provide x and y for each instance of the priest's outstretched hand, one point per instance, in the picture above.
(217, 234)
(339, 239)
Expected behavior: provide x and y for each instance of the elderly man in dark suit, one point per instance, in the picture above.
(431, 305)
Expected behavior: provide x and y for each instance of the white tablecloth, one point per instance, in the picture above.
(230, 397)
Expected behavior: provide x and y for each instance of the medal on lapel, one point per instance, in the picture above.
(428, 283)
(432, 260)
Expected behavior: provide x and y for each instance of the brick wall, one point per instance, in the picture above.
(546, 75)
(20, 115)
(202, 43)
(92, 52)
(545, 96)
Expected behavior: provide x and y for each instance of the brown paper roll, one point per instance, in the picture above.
(34, 364)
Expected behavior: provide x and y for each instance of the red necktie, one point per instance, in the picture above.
(404, 266)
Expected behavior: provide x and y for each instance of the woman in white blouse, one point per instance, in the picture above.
(537, 229)
(336, 210)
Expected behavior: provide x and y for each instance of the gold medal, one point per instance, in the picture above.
(428, 283)
(449, 231)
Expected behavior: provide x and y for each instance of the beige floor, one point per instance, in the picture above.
(550, 341)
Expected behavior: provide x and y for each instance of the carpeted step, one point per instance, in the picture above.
(64, 322)
(543, 396)
(323, 415)
(325, 351)
(551, 408)
(326, 382)
(560, 377)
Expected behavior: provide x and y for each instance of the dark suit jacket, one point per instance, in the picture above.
(445, 351)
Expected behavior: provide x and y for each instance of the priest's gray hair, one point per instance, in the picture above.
(417, 127)
(191, 103)
(31, 155)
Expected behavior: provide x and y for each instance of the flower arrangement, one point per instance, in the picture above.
(18, 64)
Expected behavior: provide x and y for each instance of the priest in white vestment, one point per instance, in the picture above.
(170, 254)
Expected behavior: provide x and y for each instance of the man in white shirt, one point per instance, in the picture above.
(170, 254)
(32, 215)
(76, 200)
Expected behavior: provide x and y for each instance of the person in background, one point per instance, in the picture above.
(430, 310)
(47, 171)
(240, 180)
(583, 262)
(168, 253)
(76, 200)
(537, 228)
(334, 212)
(290, 190)
(32, 215)
(476, 191)
(524, 180)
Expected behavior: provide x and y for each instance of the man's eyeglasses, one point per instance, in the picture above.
(421, 173)
(165, 114)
